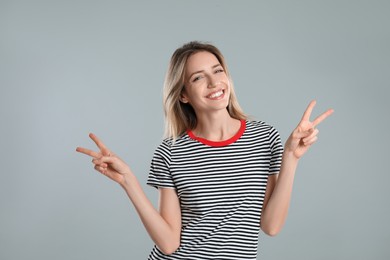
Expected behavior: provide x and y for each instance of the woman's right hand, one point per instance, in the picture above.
(107, 162)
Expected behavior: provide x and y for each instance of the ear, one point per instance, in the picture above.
(183, 98)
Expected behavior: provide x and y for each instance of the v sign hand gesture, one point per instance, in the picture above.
(305, 134)
(278, 199)
(106, 162)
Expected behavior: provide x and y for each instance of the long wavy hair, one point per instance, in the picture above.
(180, 116)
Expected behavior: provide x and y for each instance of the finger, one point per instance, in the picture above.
(322, 117)
(310, 141)
(88, 152)
(99, 163)
(104, 160)
(309, 109)
(313, 133)
(301, 134)
(104, 165)
(101, 169)
(100, 144)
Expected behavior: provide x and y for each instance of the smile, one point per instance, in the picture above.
(216, 95)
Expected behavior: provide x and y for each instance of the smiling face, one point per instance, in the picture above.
(207, 87)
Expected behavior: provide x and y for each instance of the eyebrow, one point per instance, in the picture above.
(200, 71)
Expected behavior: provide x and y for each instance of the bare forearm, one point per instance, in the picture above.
(163, 228)
(275, 213)
(164, 236)
(304, 135)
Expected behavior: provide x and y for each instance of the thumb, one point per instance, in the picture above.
(105, 159)
(302, 134)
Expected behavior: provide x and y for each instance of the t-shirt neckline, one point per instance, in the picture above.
(226, 142)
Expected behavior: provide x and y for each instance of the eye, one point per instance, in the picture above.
(196, 78)
(219, 70)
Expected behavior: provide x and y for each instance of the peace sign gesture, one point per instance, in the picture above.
(106, 162)
(305, 134)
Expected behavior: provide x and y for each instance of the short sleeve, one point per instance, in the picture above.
(159, 173)
(276, 149)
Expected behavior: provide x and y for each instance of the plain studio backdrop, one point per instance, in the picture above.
(68, 68)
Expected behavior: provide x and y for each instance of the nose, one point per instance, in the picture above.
(213, 81)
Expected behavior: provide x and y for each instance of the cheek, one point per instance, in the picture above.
(229, 92)
(190, 93)
(228, 87)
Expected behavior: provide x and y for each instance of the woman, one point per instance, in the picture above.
(220, 177)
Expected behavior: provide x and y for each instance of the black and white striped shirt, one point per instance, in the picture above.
(221, 187)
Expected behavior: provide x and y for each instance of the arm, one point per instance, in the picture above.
(278, 196)
(163, 226)
(279, 187)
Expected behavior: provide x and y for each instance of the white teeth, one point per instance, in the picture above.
(216, 94)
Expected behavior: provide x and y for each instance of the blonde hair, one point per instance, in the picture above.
(179, 116)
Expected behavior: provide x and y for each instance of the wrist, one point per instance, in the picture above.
(129, 179)
(289, 155)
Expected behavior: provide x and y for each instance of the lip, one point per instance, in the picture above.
(210, 95)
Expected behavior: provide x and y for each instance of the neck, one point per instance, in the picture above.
(216, 126)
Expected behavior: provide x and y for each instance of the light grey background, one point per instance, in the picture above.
(68, 68)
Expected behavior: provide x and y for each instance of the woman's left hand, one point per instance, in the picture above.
(305, 134)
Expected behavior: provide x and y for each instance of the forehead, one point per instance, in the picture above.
(200, 61)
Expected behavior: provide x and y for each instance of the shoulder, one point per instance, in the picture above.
(265, 133)
(169, 144)
(163, 150)
(259, 126)
(262, 131)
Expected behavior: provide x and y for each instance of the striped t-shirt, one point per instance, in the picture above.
(221, 187)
